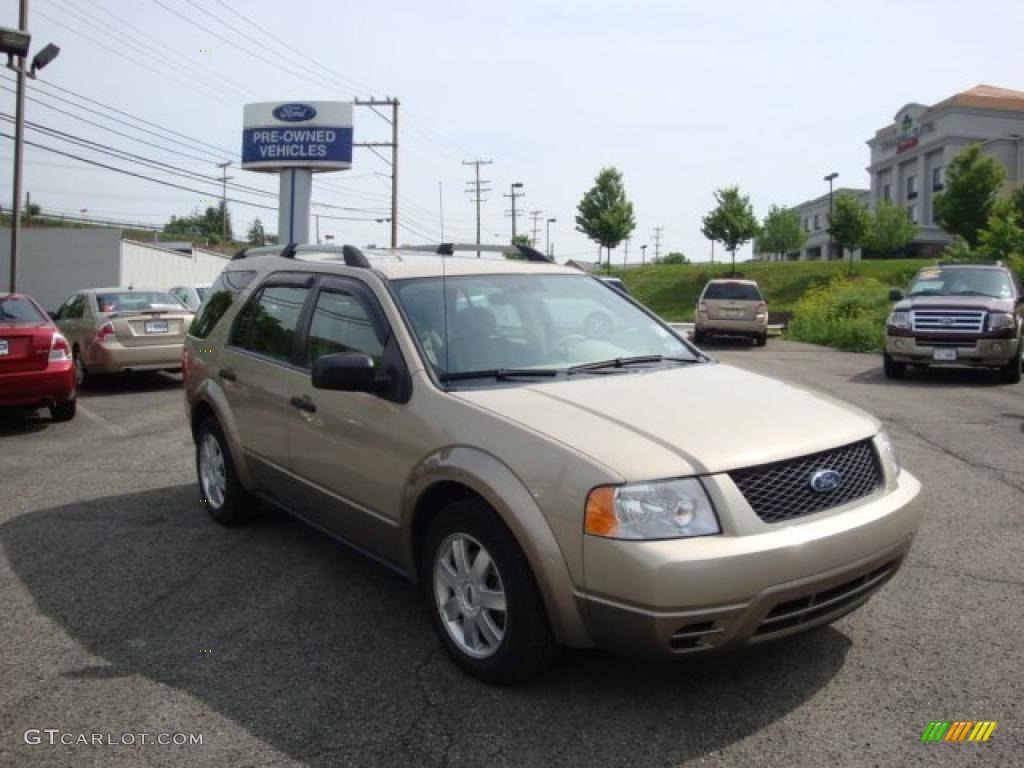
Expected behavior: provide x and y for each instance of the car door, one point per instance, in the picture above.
(253, 371)
(71, 321)
(352, 451)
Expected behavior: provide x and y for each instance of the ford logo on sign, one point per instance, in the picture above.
(294, 113)
(825, 480)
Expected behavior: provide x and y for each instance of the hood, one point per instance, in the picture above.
(987, 303)
(677, 421)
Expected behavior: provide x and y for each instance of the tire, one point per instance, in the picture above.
(63, 410)
(506, 644)
(1010, 373)
(893, 369)
(761, 339)
(82, 377)
(220, 492)
(699, 337)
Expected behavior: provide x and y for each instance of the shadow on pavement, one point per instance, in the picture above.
(22, 421)
(728, 342)
(328, 657)
(120, 383)
(940, 376)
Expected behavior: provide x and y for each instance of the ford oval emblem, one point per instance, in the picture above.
(825, 480)
(294, 113)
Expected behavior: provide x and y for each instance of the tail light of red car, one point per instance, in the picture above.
(105, 332)
(60, 350)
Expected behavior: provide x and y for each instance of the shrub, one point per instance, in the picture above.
(844, 313)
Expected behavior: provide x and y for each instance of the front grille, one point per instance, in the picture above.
(829, 602)
(782, 491)
(947, 320)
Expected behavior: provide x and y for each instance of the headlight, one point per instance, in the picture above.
(899, 319)
(888, 451)
(999, 320)
(667, 509)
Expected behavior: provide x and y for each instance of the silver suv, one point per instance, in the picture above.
(545, 479)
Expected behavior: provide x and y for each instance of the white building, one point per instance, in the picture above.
(56, 262)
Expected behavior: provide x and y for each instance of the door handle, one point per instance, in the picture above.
(303, 403)
(227, 374)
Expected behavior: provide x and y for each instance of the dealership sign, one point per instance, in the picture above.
(315, 135)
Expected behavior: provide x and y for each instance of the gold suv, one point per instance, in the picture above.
(731, 308)
(547, 481)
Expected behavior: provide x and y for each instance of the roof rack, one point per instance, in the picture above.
(352, 256)
(449, 249)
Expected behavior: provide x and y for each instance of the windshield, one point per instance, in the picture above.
(521, 322)
(201, 291)
(962, 282)
(732, 291)
(14, 309)
(138, 301)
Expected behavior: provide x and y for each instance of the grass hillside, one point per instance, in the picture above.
(672, 290)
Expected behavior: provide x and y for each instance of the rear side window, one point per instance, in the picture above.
(269, 321)
(127, 301)
(15, 309)
(222, 294)
(340, 323)
(733, 292)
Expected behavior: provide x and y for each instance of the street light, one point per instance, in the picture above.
(547, 237)
(512, 195)
(830, 178)
(15, 43)
(643, 255)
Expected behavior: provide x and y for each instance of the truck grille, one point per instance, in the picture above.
(948, 320)
(782, 491)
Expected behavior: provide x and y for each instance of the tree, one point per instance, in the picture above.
(1003, 236)
(674, 257)
(781, 232)
(514, 253)
(206, 224)
(891, 229)
(256, 234)
(1017, 203)
(732, 222)
(604, 214)
(972, 182)
(849, 224)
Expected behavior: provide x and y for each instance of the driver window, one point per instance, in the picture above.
(340, 324)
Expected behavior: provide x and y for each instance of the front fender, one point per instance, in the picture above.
(499, 486)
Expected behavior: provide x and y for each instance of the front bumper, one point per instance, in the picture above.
(114, 357)
(662, 599)
(33, 389)
(986, 352)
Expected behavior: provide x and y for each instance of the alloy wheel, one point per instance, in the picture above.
(470, 595)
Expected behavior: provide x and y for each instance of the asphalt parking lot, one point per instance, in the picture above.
(126, 611)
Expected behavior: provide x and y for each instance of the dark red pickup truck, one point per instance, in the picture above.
(957, 314)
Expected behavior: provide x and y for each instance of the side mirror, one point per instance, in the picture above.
(895, 294)
(346, 372)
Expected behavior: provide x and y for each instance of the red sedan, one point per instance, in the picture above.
(36, 368)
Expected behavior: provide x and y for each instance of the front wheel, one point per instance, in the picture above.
(1010, 373)
(220, 491)
(483, 600)
(893, 369)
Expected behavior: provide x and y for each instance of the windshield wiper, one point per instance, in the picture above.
(622, 362)
(501, 374)
(926, 293)
(973, 293)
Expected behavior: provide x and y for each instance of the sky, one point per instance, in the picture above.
(682, 97)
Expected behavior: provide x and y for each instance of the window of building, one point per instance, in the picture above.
(887, 191)
(817, 222)
(912, 213)
(911, 187)
(938, 178)
(807, 224)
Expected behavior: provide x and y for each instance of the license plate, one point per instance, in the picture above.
(4, 349)
(943, 354)
(156, 326)
(732, 312)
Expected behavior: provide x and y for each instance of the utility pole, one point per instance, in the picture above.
(547, 238)
(440, 206)
(535, 227)
(224, 203)
(477, 191)
(625, 253)
(513, 196)
(657, 243)
(373, 103)
(19, 144)
(830, 178)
